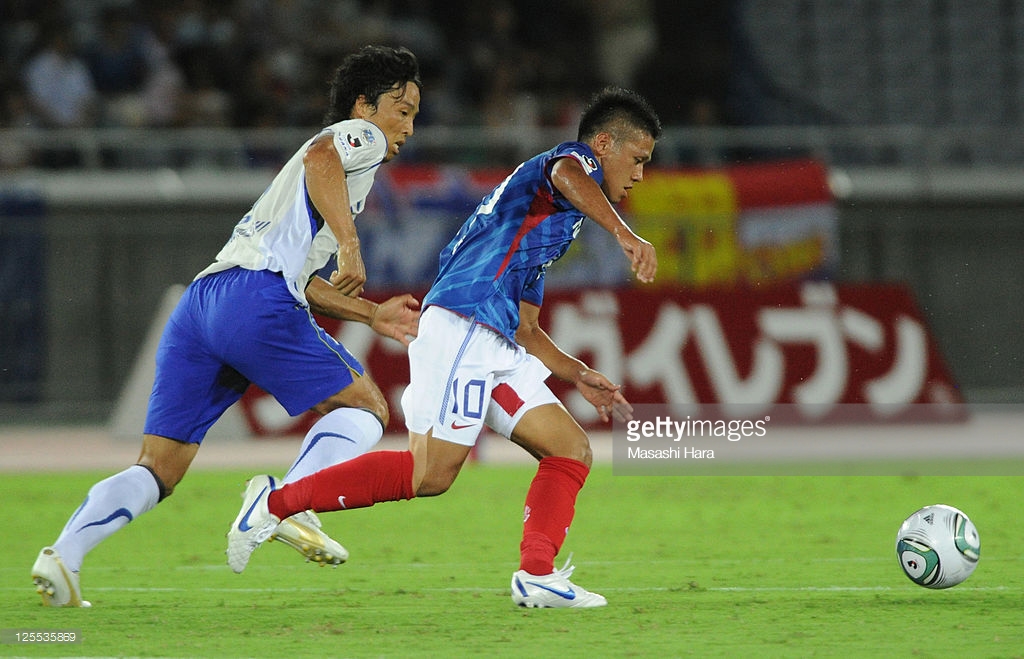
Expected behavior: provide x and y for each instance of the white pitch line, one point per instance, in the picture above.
(628, 589)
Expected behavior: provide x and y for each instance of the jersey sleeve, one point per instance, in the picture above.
(361, 145)
(579, 152)
(533, 293)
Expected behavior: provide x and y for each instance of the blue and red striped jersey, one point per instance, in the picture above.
(499, 256)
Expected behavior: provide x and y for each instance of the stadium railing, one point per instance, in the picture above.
(895, 145)
(873, 163)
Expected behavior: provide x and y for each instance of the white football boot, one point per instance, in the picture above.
(57, 585)
(552, 591)
(254, 524)
(303, 533)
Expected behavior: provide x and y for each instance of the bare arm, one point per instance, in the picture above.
(328, 191)
(586, 195)
(602, 393)
(396, 318)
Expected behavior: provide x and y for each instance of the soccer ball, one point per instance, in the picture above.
(938, 547)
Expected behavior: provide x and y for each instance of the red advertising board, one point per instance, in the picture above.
(808, 352)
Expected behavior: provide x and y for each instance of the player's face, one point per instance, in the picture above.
(393, 114)
(623, 161)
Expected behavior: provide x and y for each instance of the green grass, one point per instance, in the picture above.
(701, 566)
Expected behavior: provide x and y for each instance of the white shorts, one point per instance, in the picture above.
(464, 376)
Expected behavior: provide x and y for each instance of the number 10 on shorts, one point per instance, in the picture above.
(472, 397)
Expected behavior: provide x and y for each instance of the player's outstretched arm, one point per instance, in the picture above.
(602, 393)
(586, 195)
(328, 191)
(396, 318)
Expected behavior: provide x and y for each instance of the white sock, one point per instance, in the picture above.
(108, 507)
(338, 436)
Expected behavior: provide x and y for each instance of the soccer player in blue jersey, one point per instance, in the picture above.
(247, 318)
(482, 358)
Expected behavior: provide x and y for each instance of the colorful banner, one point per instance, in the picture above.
(748, 224)
(805, 352)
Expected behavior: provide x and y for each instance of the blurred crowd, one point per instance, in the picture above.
(266, 63)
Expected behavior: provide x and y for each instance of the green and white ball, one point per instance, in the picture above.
(938, 547)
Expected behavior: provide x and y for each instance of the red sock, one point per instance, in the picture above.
(357, 483)
(550, 505)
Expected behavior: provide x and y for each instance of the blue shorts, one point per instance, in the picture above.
(231, 329)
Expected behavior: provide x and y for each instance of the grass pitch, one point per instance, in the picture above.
(691, 566)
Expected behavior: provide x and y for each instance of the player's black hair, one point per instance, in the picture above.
(614, 104)
(369, 72)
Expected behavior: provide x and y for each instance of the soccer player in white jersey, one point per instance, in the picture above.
(247, 318)
(481, 357)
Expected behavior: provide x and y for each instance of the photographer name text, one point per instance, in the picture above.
(674, 453)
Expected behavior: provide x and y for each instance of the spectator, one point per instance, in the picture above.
(60, 88)
(625, 34)
(120, 62)
(117, 58)
(248, 63)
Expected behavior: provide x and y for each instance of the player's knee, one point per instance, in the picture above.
(161, 486)
(374, 403)
(575, 447)
(583, 453)
(380, 410)
(167, 460)
(434, 484)
(364, 395)
(165, 478)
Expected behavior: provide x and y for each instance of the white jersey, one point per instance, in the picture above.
(282, 232)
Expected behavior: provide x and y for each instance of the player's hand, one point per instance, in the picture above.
(397, 318)
(605, 396)
(350, 276)
(642, 258)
